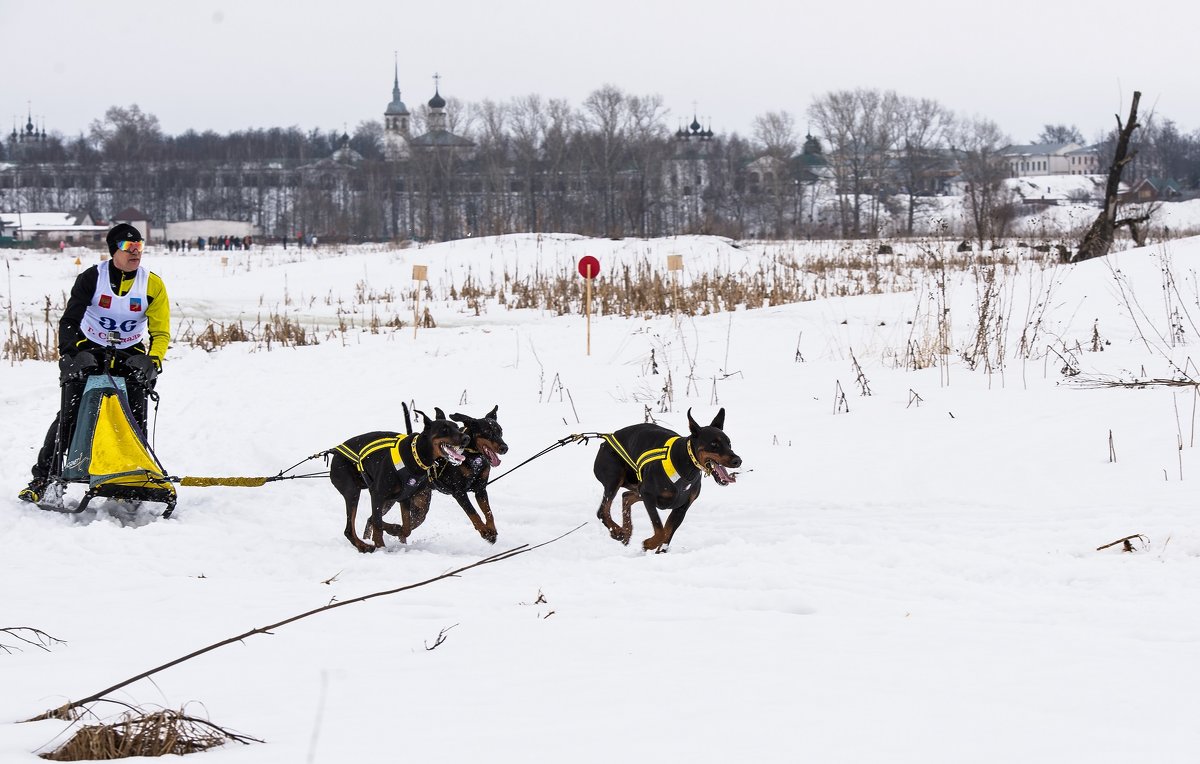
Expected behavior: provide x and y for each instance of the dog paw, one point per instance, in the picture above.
(395, 529)
(488, 536)
(654, 544)
(619, 535)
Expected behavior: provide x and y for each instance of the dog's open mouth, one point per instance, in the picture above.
(453, 454)
(721, 475)
(491, 456)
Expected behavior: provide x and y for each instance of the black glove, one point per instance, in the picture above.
(76, 366)
(144, 369)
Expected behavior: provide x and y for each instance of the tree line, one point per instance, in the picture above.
(613, 166)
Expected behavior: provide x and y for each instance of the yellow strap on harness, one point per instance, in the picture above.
(393, 444)
(660, 454)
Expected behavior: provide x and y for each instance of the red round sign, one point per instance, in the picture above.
(589, 267)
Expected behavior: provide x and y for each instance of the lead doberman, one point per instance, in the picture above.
(663, 471)
(393, 467)
(485, 444)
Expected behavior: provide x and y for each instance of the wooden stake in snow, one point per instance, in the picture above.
(419, 274)
(589, 268)
(674, 266)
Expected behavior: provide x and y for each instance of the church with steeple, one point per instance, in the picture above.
(396, 128)
(398, 141)
(28, 138)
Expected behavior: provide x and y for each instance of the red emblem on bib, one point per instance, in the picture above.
(105, 301)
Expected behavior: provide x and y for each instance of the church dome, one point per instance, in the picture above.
(437, 102)
(396, 106)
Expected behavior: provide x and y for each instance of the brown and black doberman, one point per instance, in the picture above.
(393, 467)
(485, 444)
(663, 471)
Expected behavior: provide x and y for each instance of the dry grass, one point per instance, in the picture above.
(137, 733)
(788, 272)
(276, 330)
(28, 342)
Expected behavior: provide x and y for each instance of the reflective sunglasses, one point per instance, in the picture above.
(132, 246)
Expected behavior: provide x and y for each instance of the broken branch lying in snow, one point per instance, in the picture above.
(65, 711)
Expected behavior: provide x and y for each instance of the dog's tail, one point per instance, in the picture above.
(407, 419)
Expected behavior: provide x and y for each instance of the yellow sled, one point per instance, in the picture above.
(108, 453)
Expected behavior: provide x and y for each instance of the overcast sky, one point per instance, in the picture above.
(233, 65)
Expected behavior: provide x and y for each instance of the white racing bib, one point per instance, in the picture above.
(114, 320)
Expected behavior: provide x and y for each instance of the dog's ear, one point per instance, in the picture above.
(492, 414)
(692, 426)
(461, 418)
(422, 414)
(437, 412)
(719, 420)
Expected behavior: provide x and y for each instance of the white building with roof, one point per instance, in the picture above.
(69, 227)
(1051, 159)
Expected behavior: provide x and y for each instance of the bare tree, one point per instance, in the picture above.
(605, 117)
(127, 134)
(528, 134)
(1098, 239)
(857, 125)
(923, 129)
(494, 153)
(558, 146)
(1060, 134)
(775, 134)
(988, 209)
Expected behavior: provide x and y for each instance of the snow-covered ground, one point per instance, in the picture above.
(906, 576)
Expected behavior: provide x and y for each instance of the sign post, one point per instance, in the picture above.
(589, 268)
(419, 275)
(674, 265)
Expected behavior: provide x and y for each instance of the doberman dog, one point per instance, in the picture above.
(393, 467)
(485, 442)
(663, 471)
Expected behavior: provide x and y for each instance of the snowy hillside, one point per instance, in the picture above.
(906, 569)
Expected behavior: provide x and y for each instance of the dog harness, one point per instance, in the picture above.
(392, 444)
(661, 454)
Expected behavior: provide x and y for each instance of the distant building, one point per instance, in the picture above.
(398, 141)
(21, 141)
(70, 227)
(439, 136)
(1051, 159)
(211, 230)
(135, 218)
(1152, 190)
(1084, 160)
(687, 176)
(396, 127)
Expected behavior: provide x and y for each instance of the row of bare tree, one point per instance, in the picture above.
(608, 167)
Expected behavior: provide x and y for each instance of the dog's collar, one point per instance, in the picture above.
(692, 456)
(424, 467)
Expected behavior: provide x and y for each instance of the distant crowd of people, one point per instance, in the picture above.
(202, 243)
(212, 243)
